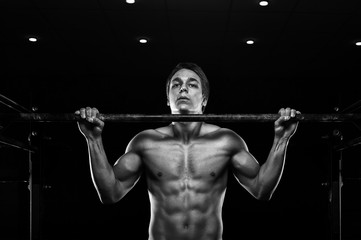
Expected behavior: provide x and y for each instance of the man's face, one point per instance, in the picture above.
(185, 93)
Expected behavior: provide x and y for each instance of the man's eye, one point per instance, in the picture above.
(192, 85)
(175, 85)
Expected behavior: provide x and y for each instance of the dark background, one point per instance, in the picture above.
(88, 54)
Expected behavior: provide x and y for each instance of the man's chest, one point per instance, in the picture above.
(197, 159)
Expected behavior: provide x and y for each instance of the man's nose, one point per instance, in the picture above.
(183, 89)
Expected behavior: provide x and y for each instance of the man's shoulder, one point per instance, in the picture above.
(210, 129)
(151, 134)
(163, 131)
(142, 139)
(224, 134)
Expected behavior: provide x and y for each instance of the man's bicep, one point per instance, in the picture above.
(128, 167)
(245, 167)
(244, 163)
(127, 171)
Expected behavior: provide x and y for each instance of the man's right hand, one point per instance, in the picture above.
(91, 125)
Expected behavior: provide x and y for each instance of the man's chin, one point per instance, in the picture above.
(185, 111)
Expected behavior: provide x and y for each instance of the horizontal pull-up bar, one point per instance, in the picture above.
(69, 117)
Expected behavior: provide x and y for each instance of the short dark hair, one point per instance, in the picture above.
(195, 68)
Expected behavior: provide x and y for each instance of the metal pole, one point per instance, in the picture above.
(30, 186)
(12, 104)
(70, 117)
(340, 183)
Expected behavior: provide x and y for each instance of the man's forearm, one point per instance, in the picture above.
(271, 171)
(101, 171)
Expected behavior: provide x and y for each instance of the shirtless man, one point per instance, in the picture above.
(186, 164)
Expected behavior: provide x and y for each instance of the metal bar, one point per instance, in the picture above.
(12, 181)
(17, 144)
(12, 104)
(70, 117)
(353, 107)
(349, 144)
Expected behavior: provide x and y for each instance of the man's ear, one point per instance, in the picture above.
(204, 102)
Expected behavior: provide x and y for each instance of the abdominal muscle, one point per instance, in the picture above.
(183, 213)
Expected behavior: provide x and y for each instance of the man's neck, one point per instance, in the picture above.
(186, 130)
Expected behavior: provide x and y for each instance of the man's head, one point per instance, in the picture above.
(190, 71)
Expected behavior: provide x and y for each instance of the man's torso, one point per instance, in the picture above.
(186, 182)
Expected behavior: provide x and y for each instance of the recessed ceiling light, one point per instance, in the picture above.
(130, 1)
(143, 40)
(263, 3)
(358, 43)
(250, 42)
(32, 39)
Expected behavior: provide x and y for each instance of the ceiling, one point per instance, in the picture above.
(88, 54)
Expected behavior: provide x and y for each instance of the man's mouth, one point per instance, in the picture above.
(183, 98)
